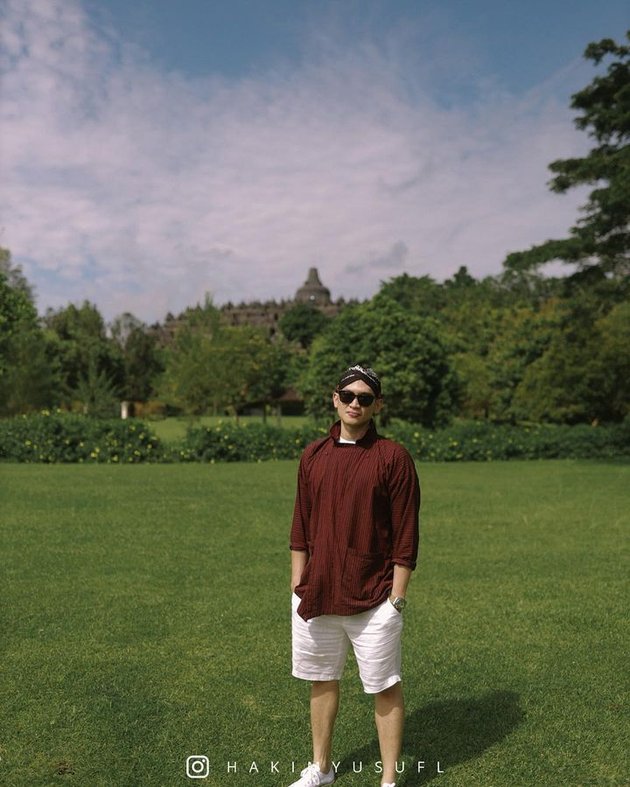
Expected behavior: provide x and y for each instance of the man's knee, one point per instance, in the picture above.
(395, 690)
(389, 699)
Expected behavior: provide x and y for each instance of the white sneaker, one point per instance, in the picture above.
(313, 777)
(388, 784)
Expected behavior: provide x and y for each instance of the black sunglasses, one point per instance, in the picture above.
(364, 399)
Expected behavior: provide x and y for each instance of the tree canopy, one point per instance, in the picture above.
(302, 323)
(408, 350)
(601, 237)
(215, 367)
(28, 372)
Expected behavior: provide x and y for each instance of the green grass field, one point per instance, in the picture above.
(172, 429)
(145, 619)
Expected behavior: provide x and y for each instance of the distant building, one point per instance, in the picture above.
(313, 291)
(267, 315)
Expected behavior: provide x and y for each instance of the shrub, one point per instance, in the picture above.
(69, 437)
(484, 441)
(229, 442)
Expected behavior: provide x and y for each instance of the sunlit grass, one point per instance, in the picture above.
(145, 618)
(171, 430)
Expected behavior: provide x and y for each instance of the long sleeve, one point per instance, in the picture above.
(404, 493)
(301, 511)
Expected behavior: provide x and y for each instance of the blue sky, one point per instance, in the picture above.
(518, 43)
(153, 151)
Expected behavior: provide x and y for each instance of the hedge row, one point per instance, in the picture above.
(482, 441)
(63, 437)
(67, 437)
(228, 442)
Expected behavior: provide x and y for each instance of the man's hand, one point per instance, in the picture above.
(402, 575)
(299, 559)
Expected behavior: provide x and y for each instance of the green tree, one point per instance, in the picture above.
(142, 358)
(96, 391)
(408, 351)
(262, 367)
(302, 323)
(84, 351)
(186, 383)
(584, 373)
(28, 375)
(214, 367)
(15, 277)
(420, 295)
(612, 336)
(143, 365)
(476, 384)
(202, 317)
(191, 381)
(122, 327)
(602, 236)
(17, 310)
(522, 336)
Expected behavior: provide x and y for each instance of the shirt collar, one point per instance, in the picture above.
(368, 438)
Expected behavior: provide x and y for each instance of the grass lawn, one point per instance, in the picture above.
(145, 618)
(172, 429)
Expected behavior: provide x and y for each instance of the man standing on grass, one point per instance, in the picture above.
(354, 544)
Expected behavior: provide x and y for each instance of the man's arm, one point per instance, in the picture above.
(404, 496)
(299, 559)
(402, 575)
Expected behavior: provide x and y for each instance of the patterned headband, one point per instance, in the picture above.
(364, 373)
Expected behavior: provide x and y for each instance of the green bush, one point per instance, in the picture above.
(66, 437)
(483, 441)
(228, 442)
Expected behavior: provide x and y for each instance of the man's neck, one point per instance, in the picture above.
(352, 434)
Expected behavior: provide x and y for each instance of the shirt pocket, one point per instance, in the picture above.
(363, 574)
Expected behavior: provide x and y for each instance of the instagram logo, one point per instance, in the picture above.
(197, 766)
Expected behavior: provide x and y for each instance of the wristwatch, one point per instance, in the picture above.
(398, 603)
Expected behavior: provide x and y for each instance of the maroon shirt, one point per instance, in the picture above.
(356, 514)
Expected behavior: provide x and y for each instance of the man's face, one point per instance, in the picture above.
(353, 416)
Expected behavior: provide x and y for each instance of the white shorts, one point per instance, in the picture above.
(320, 645)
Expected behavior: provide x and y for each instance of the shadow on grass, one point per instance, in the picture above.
(446, 733)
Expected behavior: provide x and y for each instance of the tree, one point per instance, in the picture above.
(17, 310)
(16, 279)
(28, 375)
(142, 359)
(612, 335)
(421, 295)
(122, 327)
(584, 373)
(213, 367)
(522, 336)
(84, 351)
(97, 392)
(407, 350)
(475, 379)
(143, 364)
(302, 323)
(601, 237)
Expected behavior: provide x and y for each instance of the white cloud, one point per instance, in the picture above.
(141, 190)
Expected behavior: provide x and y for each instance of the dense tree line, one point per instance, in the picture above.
(517, 347)
(511, 348)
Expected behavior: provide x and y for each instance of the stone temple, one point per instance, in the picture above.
(267, 314)
(313, 291)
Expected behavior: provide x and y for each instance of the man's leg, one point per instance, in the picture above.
(389, 712)
(324, 707)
